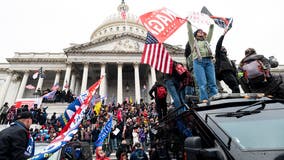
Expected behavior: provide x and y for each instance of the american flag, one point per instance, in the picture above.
(55, 87)
(156, 55)
(49, 95)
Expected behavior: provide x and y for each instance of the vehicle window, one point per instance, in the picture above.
(251, 132)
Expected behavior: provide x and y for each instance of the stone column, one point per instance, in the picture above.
(77, 86)
(103, 83)
(153, 76)
(137, 83)
(23, 84)
(119, 84)
(57, 77)
(85, 77)
(5, 87)
(72, 84)
(67, 76)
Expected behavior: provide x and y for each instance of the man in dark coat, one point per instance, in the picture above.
(15, 141)
(225, 69)
(270, 85)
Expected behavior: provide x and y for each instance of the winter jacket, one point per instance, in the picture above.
(14, 142)
(202, 45)
(223, 63)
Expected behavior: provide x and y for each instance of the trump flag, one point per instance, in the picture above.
(161, 23)
(72, 107)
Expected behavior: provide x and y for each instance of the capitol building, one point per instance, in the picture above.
(114, 50)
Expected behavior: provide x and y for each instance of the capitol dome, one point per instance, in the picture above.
(119, 23)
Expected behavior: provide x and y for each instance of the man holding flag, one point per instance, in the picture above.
(226, 69)
(99, 143)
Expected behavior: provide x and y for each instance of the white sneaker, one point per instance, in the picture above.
(216, 96)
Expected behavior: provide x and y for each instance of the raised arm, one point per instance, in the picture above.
(190, 34)
(210, 33)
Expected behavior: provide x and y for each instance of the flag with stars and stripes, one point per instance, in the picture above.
(156, 55)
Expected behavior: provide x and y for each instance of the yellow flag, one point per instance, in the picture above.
(97, 107)
(130, 100)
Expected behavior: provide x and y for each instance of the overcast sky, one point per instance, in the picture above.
(51, 25)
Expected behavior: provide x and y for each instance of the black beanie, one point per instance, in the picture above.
(195, 33)
(23, 113)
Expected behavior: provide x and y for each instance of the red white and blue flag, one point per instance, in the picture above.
(55, 87)
(72, 107)
(223, 22)
(220, 21)
(49, 95)
(156, 55)
(71, 128)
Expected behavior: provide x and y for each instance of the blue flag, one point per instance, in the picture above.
(104, 132)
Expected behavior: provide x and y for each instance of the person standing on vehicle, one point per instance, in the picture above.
(257, 77)
(225, 68)
(160, 98)
(202, 57)
(15, 141)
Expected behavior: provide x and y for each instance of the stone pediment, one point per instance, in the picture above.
(115, 43)
(126, 45)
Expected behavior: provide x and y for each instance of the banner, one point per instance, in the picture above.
(72, 107)
(71, 128)
(161, 23)
(198, 18)
(104, 132)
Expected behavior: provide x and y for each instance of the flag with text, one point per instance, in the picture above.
(161, 23)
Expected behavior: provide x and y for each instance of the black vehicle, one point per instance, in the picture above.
(233, 127)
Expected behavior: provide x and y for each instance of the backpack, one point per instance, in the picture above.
(161, 92)
(255, 69)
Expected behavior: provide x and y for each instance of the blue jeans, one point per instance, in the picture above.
(204, 73)
(187, 90)
(172, 85)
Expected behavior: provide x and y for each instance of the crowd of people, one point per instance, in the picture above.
(131, 129)
(132, 123)
(59, 96)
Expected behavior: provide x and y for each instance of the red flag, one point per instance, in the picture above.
(156, 55)
(123, 14)
(161, 23)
